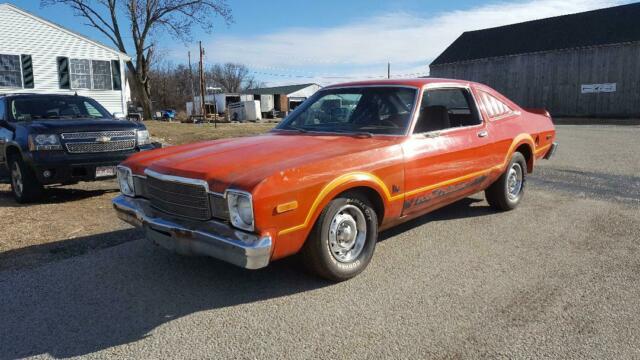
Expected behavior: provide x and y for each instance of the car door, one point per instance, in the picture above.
(449, 152)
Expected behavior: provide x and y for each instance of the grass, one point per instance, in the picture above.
(176, 133)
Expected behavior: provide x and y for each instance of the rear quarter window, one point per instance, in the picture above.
(494, 108)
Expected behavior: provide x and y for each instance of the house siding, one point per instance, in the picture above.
(553, 79)
(25, 34)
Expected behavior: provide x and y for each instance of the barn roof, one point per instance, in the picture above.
(287, 89)
(613, 25)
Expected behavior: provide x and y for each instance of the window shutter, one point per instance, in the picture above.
(63, 73)
(27, 71)
(115, 73)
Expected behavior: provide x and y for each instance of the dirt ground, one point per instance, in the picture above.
(33, 233)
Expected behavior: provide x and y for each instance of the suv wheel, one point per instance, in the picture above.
(24, 184)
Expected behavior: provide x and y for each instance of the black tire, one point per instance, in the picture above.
(24, 184)
(503, 195)
(317, 254)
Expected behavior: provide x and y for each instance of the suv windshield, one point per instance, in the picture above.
(374, 110)
(55, 107)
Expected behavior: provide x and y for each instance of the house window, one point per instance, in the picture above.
(90, 74)
(10, 71)
(101, 74)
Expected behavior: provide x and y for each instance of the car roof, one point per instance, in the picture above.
(415, 82)
(39, 95)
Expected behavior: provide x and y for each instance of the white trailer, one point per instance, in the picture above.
(245, 111)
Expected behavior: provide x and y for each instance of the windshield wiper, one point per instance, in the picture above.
(354, 133)
(295, 128)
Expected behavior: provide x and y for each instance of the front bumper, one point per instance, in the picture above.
(210, 238)
(65, 168)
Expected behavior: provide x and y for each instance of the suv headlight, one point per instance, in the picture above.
(143, 137)
(240, 209)
(125, 181)
(44, 142)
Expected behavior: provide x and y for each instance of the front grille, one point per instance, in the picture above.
(97, 147)
(99, 141)
(219, 207)
(178, 198)
(97, 134)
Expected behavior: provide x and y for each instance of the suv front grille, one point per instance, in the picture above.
(99, 141)
(178, 198)
(96, 147)
(97, 134)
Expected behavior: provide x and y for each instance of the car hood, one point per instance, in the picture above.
(245, 162)
(57, 126)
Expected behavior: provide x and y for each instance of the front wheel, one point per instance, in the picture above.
(507, 192)
(24, 185)
(343, 239)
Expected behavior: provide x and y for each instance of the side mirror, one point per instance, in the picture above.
(119, 115)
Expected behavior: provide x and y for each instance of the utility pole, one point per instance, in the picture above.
(202, 90)
(193, 91)
(388, 70)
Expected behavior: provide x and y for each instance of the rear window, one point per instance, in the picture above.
(55, 107)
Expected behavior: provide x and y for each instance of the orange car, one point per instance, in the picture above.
(350, 161)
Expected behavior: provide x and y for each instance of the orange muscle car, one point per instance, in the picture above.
(352, 160)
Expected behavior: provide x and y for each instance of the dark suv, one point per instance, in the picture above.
(62, 139)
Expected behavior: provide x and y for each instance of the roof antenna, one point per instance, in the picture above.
(76, 94)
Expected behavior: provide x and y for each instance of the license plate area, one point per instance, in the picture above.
(105, 171)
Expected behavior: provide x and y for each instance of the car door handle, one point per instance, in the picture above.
(483, 133)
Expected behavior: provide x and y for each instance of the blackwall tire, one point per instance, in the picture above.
(24, 184)
(343, 240)
(507, 192)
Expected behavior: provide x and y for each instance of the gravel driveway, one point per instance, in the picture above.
(559, 277)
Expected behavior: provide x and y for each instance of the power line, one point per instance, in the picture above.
(337, 77)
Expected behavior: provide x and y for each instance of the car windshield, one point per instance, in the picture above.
(372, 110)
(56, 107)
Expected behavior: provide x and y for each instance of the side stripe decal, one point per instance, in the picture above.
(355, 176)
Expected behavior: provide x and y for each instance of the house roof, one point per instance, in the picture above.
(287, 89)
(61, 28)
(613, 25)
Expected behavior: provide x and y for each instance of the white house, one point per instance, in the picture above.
(38, 56)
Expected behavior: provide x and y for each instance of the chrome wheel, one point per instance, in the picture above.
(347, 233)
(514, 181)
(16, 179)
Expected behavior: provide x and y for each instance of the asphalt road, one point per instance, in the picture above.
(559, 278)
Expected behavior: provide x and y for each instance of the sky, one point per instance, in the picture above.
(330, 41)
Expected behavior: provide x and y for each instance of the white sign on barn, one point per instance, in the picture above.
(598, 88)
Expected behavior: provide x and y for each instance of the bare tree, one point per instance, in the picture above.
(231, 77)
(145, 20)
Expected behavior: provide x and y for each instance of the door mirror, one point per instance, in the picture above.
(119, 115)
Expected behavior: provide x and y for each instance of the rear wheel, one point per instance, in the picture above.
(507, 192)
(343, 239)
(24, 184)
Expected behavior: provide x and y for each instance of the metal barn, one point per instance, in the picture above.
(585, 64)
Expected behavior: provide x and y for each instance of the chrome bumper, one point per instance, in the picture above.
(211, 238)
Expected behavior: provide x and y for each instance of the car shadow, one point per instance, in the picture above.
(120, 294)
(465, 208)
(54, 195)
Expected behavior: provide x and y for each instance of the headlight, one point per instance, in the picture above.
(44, 142)
(240, 209)
(143, 137)
(125, 181)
